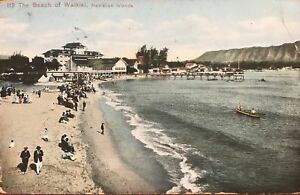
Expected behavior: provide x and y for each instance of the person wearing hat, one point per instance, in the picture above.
(38, 158)
(25, 155)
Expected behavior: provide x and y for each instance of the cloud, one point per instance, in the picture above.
(193, 34)
(113, 38)
(19, 36)
(117, 37)
(186, 37)
(111, 26)
(270, 25)
(269, 30)
(11, 29)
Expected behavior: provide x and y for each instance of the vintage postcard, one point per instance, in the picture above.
(149, 96)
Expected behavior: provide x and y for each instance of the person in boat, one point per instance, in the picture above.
(253, 111)
(239, 107)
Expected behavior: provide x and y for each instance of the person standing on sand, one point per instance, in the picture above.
(102, 128)
(38, 158)
(75, 105)
(39, 93)
(25, 155)
(83, 105)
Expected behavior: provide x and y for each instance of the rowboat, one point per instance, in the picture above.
(247, 113)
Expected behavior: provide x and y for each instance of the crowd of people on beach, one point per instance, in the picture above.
(18, 96)
(70, 96)
(7, 91)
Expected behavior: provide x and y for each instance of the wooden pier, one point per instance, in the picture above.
(209, 76)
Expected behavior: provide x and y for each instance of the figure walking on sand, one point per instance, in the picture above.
(102, 128)
(75, 105)
(38, 158)
(25, 155)
(83, 105)
(39, 93)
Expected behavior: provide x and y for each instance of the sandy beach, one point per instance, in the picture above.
(96, 157)
(24, 123)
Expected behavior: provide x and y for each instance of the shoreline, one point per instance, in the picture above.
(109, 170)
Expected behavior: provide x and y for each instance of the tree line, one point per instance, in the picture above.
(152, 57)
(21, 63)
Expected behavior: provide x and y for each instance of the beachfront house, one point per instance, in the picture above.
(203, 68)
(194, 67)
(132, 66)
(177, 67)
(154, 71)
(165, 68)
(140, 65)
(117, 66)
(190, 66)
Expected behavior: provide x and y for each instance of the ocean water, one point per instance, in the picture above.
(184, 135)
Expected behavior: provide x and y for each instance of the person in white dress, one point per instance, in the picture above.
(45, 135)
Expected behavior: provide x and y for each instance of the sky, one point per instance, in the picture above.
(187, 28)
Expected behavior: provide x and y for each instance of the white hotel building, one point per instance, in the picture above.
(71, 56)
(74, 57)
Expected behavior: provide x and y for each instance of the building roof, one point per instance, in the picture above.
(73, 45)
(130, 62)
(93, 53)
(56, 52)
(103, 63)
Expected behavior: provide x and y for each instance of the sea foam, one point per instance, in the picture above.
(183, 175)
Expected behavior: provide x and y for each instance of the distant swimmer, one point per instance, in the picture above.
(253, 111)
